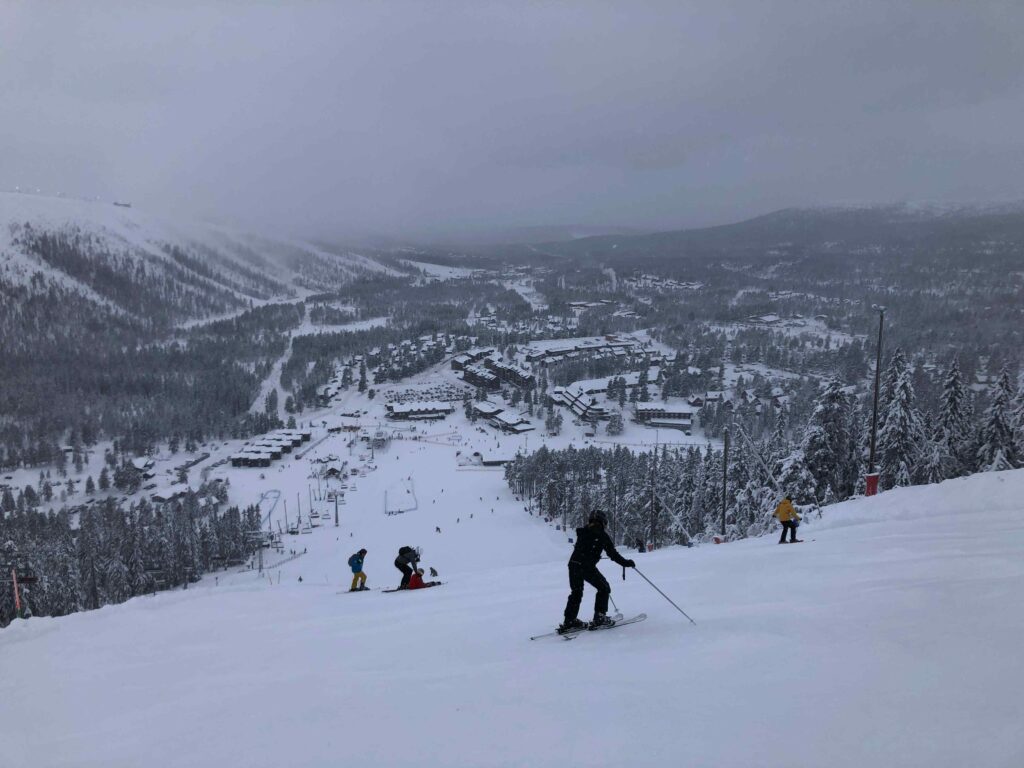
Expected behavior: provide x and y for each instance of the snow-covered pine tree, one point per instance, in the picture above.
(615, 426)
(890, 379)
(643, 395)
(692, 467)
(661, 515)
(677, 495)
(948, 457)
(206, 550)
(998, 443)
(828, 445)
(62, 584)
(711, 493)
(138, 579)
(779, 435)
(795, 479)
(1018, 421)
(901, 437)
(89, 555)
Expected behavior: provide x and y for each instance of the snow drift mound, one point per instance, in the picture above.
(993, 492)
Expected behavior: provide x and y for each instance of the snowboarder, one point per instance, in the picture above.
(416, 580)
(405, 562)
(787, 515)
(358, 577)
(591, 541)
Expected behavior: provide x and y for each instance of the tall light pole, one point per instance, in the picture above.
(871, 480)
(725, 479)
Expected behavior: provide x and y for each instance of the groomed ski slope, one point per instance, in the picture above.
(894, 638)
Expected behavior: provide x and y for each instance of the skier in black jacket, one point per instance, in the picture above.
(405, 562)
(591, 541)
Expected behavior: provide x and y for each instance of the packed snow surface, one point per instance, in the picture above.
(891, 637)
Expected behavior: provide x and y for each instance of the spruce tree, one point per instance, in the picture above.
(63, 578)
(951, 437)
(615, 426)
(828, 445)
(780, 438)
(1017, 422)
(795, 479)
(901, 438)
(998, 444)
(890, 379)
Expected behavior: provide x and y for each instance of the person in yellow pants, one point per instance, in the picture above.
(358, 577)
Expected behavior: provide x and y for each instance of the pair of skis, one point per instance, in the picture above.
(574, 633)
(425, 586)
(385, 591)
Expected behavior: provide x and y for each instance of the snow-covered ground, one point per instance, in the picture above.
(891, 637)
(528, 291)
(440, 271)
(306, 328)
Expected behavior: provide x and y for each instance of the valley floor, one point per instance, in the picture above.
(891, 637)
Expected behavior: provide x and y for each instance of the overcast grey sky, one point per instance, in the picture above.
(412, 117)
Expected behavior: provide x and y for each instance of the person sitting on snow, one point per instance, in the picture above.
(787, 515)
(416, 580)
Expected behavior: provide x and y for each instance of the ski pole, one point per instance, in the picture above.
(613, 604)
(663, 594)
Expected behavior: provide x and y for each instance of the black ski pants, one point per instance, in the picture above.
(788, 525)
(406, 572)
(586, 573)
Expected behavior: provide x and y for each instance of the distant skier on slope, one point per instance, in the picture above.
(358, 577)
(787, 515)
(407, 559)
(591, 541)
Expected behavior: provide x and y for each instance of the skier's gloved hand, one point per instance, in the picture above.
(630, 564)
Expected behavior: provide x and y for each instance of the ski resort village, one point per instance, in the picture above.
(494, 385)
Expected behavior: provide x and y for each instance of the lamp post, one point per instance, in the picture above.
(871, 480)
(725, 479)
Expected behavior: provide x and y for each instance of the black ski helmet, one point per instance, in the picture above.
(598, 516)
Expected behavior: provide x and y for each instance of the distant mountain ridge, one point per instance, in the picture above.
(549, 233)
(903, 224)
(131, 262)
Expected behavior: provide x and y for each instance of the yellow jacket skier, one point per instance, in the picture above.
(787, 515)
